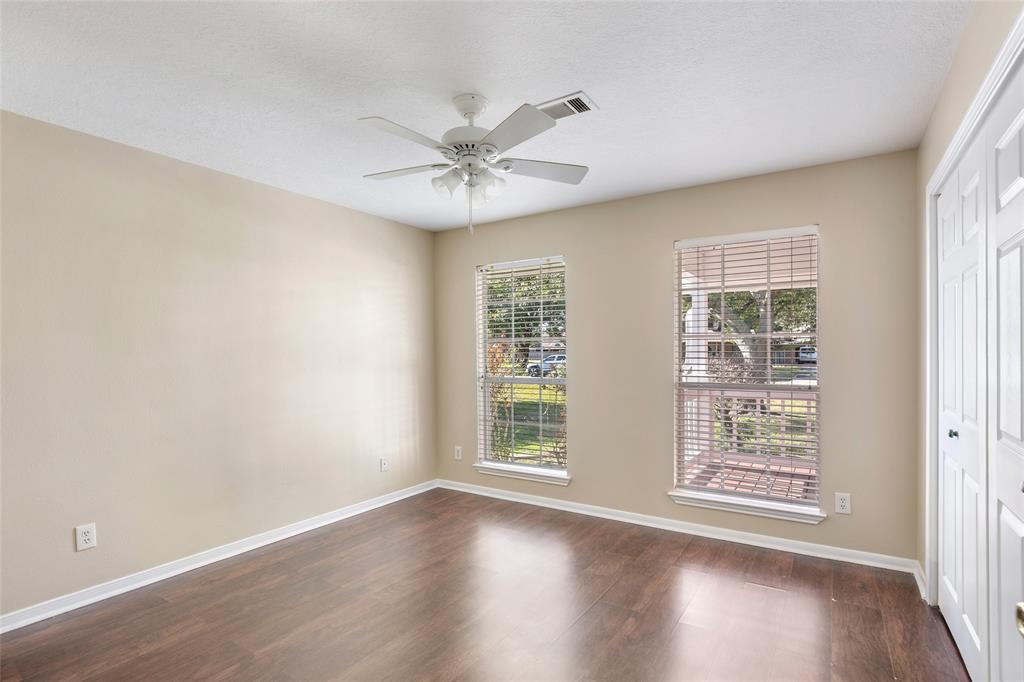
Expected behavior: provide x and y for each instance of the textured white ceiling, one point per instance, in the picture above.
(689, 93)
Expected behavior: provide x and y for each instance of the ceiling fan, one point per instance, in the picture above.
(473, 154)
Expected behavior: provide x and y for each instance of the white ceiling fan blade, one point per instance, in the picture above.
(525, 122)
(400, 130)
(384, 175)
(547, 170)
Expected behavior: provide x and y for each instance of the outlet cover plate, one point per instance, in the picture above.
(85, 537)
(844, 503)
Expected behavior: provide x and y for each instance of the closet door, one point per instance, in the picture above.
(1005, 161)
(963, 476)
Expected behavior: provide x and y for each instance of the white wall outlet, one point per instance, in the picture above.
(85, 537)
(844, 505)
(458, 453)
(383, 463)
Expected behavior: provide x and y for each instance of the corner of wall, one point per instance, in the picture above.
(435, 335)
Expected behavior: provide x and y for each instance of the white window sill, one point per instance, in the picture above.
(775, 510)
(527, 473)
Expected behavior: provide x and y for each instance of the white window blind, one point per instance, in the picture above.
(746, 367)
(522, 358)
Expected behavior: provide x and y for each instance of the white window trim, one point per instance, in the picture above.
(524, 263)
(524, 472)
(735, 503)
(773, 510)
(802, 231)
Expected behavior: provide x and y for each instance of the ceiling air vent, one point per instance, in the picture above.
(578, 104)
(569, 105)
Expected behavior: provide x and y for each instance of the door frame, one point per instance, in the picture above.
(1007, 58)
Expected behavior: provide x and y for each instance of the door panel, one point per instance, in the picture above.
(949, 567)
(948, 228)
(1008, 338)
(963, 533)
(1009, 654)
(974, 594)
(1009, 171)
(972, 206)
(1005, 250)
(951, 341)
(970, 324)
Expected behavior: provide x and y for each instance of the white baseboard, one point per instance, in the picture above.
(90, 595)
(796, 546)
(921, 582)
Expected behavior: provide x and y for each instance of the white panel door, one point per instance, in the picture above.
(1004, 140)
(963, 476)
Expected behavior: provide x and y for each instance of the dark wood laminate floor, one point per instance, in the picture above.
(451, 586)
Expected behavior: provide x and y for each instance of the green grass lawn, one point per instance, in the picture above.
(529, 424)
(789, 372)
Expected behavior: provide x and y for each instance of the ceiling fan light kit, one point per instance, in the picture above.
(474, 156)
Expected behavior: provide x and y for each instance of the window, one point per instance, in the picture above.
(522, 358)
(746, 374)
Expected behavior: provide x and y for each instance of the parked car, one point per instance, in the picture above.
(807, 354)
(545, 366)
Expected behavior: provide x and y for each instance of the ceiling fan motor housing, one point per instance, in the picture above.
(466, 150)
(464, 135)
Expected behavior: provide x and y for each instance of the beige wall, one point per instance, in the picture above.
(190, 358)
(983, 37)
(619, 291)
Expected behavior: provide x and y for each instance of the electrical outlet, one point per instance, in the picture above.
(383, 463)
(844, 504)
(458, 453)
(85, 537)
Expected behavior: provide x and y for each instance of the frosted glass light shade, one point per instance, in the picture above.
(446, 183)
